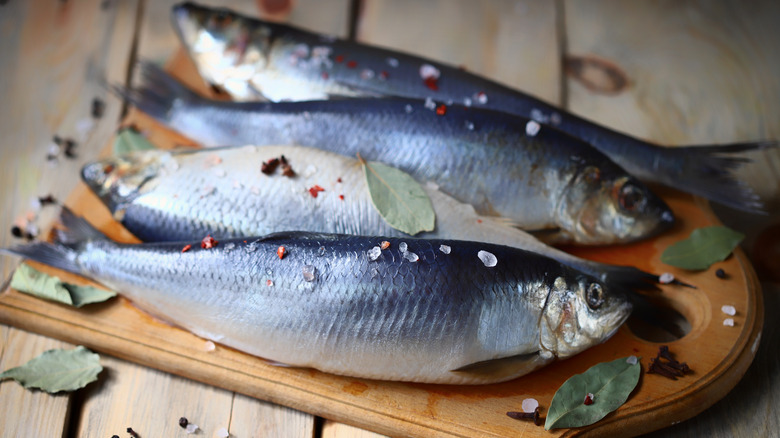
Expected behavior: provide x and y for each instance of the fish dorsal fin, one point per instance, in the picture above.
(297, 235)
(505, 367)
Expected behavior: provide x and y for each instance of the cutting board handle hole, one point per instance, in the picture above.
(655, 319)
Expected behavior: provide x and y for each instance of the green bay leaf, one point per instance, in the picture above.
(609, 382)
(129, 140)
(31, 281)
(399, 198)
(704, 247)
(57, 370)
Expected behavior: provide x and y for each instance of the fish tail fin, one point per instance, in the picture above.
(710, 172)
(63, 252)
(159, 93)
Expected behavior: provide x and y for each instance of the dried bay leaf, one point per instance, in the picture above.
(34, 282)
(399, 198)
(704, 247)
(129, 140)
(57, 370)
(609, 382)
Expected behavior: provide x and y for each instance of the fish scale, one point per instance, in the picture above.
(429, 321)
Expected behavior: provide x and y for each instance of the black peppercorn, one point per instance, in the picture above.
(720, 273)
(183, 422)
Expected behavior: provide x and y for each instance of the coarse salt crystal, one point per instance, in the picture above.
(466, 101)
(366, 74)
(392, 62)
(488, 259)
(254, 190)
(309, 273)
(408, 109)
(374, 253)
(445, 249)
(54, 149)
(481, 97)
(729, 310)
(728, 322)
(532, 128)
(428, 71)
(412, 257)
(469, 125)
(192, 428)
(209, 346)
(666, 278)
(220, 173)
(222, 433)
(632, 360)
(430, 104)
(402, 246)
(530, 404)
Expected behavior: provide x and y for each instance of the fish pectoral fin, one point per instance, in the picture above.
(505, 367)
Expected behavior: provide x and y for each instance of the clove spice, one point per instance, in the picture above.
(526, 416)
(666, 365)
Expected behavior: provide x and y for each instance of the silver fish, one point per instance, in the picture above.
(256, 60)
(476, 314)
(537, 178)
(185, 195)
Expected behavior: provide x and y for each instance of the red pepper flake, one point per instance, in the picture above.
(325, 75)
(315, 190)
(108, 168)
(339, 58)
(186, 248)
(208, 242)
(432, 83)
(441, 110)
(341, 197)
(281, 252)
(338, 180)
(479, 221)
(588, 399)
(383, 75)
(384, 245)
(269, 283)
(351, 64)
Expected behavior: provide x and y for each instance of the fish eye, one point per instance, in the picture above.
(631, 197)
(594, 296)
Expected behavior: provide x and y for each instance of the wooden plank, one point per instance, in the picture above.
(251, 417)
(512, 42)
(55, 57)
(332, 429)
(25, 412)
(698, 73)
(150, 402)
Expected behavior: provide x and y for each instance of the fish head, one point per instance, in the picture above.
(227, 48)
(580, 312)
(118, 180)
(604, 205)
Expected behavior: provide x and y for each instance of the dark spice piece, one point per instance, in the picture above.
(70, 148)
(98, 108)
(57, 140)
(351, 64)
(114, 436)
(17, 232)
(132, 433)
(269, 166)
(46, 200)
(432, 83)
(527, 416)
(670, 368)
(287, 171)
(720, 273)
(183, 422)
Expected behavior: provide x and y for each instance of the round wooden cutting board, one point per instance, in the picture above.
(717, 354)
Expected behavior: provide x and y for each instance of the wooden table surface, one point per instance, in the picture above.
(697, 73)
